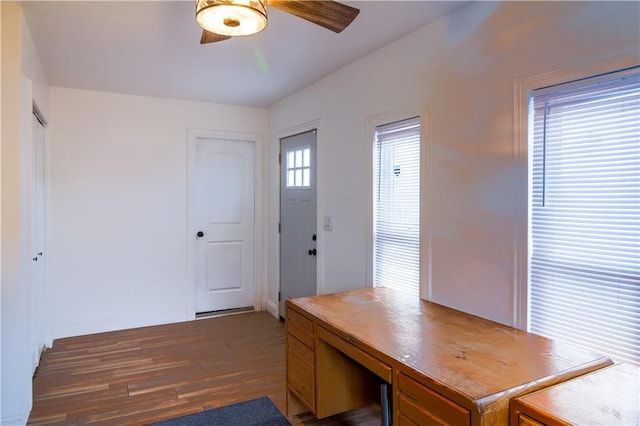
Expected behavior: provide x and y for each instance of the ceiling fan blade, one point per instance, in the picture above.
(326, 13)
(209, 37)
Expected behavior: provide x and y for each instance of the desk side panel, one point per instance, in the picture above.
(300, 363)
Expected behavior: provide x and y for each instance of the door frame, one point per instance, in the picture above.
(259, 282)
(285, 133)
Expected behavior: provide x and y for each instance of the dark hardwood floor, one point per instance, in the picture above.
(149, 374)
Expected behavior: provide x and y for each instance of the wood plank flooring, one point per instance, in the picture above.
(150, 374)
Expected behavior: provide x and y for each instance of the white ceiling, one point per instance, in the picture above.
(152, 48)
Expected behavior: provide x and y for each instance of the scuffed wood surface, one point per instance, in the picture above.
(610, 397)
(475, 362)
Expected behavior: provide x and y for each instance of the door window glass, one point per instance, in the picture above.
(298, 168)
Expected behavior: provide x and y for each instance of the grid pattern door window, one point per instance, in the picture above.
(584, 279)
(396, 251)
(298, 168)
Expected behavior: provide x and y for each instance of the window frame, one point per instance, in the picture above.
(523, 129)
(377, 120)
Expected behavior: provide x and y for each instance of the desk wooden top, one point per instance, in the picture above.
(610, 396)
(478, 360)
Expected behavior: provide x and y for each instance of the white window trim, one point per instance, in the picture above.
(425, 211)
(616, 60)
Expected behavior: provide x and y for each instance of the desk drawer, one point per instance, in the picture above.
(524, 420)
(300, 379)
(405, 421)
(300, 326)
(296, 347)
(377, 367)
(425, 407)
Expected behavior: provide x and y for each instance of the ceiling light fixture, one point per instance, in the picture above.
(232, 17)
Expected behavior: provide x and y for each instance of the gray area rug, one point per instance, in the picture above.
(256, 412)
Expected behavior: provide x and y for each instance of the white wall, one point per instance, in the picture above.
(118, 170)
(461, 71)
(32, 69)
(23, 83)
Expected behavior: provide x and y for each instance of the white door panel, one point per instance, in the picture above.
(38, 241)
(226, 183)
(224, 215)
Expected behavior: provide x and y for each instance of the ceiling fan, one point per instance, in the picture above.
(223, 19)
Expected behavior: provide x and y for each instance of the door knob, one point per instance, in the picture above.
(200, 234)
(312, 252)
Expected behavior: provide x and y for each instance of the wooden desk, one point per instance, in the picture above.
(444, 366)
(608, 397)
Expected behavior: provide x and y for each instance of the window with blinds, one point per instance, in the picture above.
(584, 279)
(396, 251)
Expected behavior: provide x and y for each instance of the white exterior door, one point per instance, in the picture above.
(224, 222)
(298, 191)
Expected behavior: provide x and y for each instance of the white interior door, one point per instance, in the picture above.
(298, 200)
(37, 241)
(224, 220)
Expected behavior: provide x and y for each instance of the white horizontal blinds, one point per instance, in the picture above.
(397, 206)
(585, 224)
